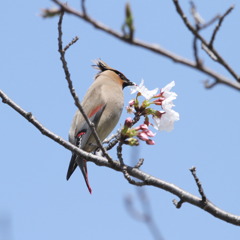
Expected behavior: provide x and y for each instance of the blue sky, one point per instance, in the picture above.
(37, 202)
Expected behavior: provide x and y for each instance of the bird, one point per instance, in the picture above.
(103, 104)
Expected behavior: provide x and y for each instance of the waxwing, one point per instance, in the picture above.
(103, 104)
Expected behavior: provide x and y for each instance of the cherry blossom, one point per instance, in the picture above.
(148, 94)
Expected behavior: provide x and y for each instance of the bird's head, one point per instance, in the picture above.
(102, 67)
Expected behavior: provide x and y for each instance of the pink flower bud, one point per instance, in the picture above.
(128, 122)
(131, 102)
(146, 121)
(150, 133)
(143, 127)
(158, 101)
(158, 95)
(143, 136)
(150, 142)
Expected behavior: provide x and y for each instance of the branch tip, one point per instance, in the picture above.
(140, 163)
(178, 204)
(199, 185)
(221, 18)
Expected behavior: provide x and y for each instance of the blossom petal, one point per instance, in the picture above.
(166, 122)
(168, 87)
(148, 94)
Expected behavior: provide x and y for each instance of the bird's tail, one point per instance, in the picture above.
(75, 160)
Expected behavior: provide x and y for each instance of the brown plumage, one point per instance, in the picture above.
(103, 105)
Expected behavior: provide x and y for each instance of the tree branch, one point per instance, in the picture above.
(133, 172)
(194, 31)
(70, 85)
(145, 215)
(151, 47)
(199, 185)
(219, 25)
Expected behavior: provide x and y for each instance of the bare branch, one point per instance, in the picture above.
(83, 7)
(71, 88)
(133, 172)
(209, 85)
(132, 210)
(178, 204)
(151, 47)
(198, 22)
(124, 168)
(209, 52)
(200, 188)
(202, 24)
(113, 143)
(112, 140)
(204, 42)
(219, 25)
(70, 44)
(145, 215)
(197, 17)
(207, 24)
(140, 163)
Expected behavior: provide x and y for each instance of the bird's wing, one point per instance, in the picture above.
(82, 138)
(85, 132)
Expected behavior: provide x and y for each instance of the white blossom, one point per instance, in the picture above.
(148, 94)
(166, 121)
(166, 91)
(168, 115)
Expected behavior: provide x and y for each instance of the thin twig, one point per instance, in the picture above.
(119, 153)
(70, 44)
(132, 210)
(125, 167)
(204, 42)
(113, 143)
(151, 47)
(209, 52)
(111, 138)
(198, 21)
(210, 22)
(139, 163)
(199, 185)
(195, 53)
(178, 204)
(145, 215)
(71, 88)
(196, 16)
(83, 7)
(218, 26)
(209, 85)
(202, 24)
(131, 180)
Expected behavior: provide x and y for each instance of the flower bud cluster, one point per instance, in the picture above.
(163, 119)
(131, 135)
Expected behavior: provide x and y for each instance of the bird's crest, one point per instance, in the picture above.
(101, 65)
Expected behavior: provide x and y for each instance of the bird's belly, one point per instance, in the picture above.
(105, 126)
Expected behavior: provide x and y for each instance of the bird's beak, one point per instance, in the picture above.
(127, 82)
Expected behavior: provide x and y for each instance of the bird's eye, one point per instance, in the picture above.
(120, 75)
